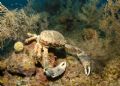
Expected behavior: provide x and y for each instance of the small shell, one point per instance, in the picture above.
(56, 71)
(18, 46)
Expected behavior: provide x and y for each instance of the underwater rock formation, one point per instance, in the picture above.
(95, 29)
(21, 64)
(23, 69)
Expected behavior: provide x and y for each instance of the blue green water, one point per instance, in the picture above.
(13, 4)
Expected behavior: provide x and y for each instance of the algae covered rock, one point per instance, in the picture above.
(3, 65)
(112, 70)
(18, 46)
(40, 77)
(9, 80)
(21, 64)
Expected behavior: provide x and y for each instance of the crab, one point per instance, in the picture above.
(52, 38)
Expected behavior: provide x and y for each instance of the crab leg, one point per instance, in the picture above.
(52, 72)
(85, 60)
(45, 58)
(32, 37)
(37, 50)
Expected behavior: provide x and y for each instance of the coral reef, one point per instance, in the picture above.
(95, 29)
(15, 23)
(23, 69)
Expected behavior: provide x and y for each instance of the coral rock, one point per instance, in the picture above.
(21, 64)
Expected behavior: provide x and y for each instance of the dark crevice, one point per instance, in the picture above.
(1, 72)
(7, 47)
(59, 52)
(14, 73)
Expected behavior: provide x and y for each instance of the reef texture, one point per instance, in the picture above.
(21, 68)
(94, 28)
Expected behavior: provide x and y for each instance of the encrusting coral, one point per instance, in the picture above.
(18, 46)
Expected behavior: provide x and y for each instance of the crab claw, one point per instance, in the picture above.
(56, 71)
(85, 60)
(87, 69)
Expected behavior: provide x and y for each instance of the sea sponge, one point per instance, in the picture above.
(112, 69)
(18, 46)
(89, 33)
